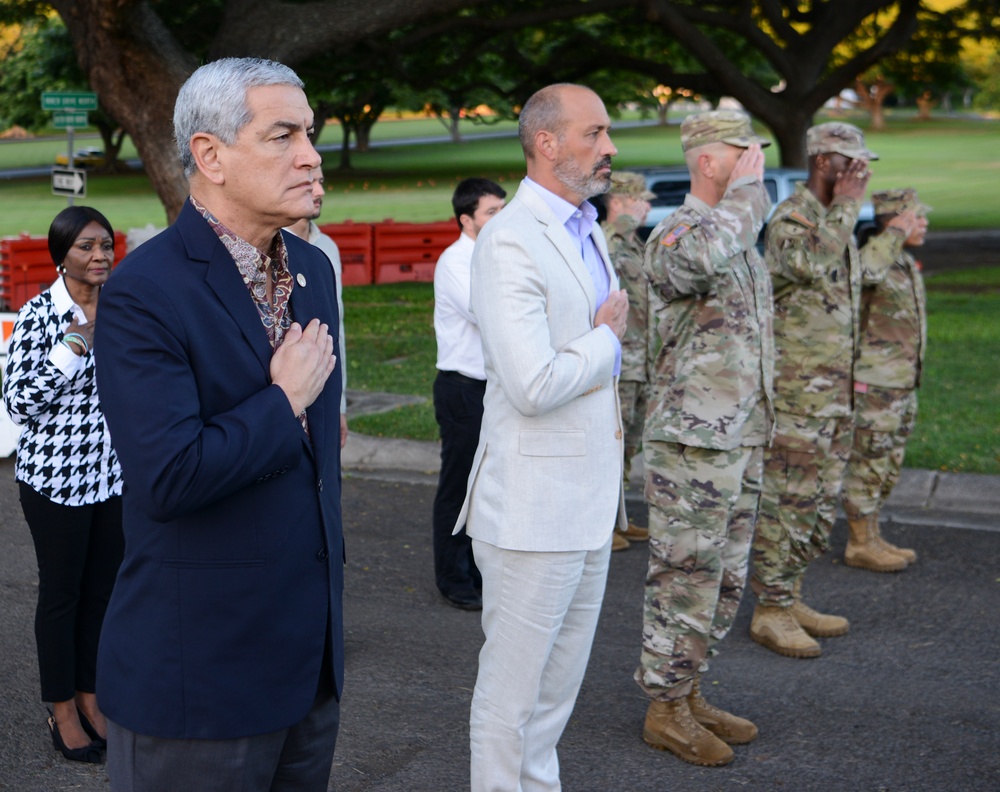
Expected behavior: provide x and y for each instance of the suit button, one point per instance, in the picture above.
(322, 554)
(319, 485)
(618, 434)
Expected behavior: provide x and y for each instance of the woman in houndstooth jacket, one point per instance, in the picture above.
(69, 478)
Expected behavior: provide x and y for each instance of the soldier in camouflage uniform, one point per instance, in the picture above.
(627, 204)
(817, 274)
(709, 416)
(886, 376)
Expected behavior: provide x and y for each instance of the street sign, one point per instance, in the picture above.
(69, 181)
(69, 100)
(69, 119)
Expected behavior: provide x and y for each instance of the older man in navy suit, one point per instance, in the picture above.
(221, 658)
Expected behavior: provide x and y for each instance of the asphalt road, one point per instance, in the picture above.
(908, 701)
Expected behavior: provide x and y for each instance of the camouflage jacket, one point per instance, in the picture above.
(893, 327)
(625, 250)
(712, 378)
(817, 273)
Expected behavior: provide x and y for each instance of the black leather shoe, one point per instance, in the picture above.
(465, 600)
(88, 753)
(96, 738)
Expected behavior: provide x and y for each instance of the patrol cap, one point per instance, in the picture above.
(629, 184)
(894, 202)
(719, 126)
(837, 137)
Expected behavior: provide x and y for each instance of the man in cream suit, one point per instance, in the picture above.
(545, 487)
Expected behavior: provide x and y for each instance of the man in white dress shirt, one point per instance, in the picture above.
(546, 483)
(307, 229)
(458, 391)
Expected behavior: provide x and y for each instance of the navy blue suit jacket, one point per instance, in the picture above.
(233, 570)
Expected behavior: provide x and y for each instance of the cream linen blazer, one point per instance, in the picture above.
(547, 475)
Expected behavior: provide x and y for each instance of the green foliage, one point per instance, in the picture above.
(42, 59)
(958, 424)
(17, 12)
(987, 79)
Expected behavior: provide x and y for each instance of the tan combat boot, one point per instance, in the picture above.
(618, 541)
(909, 556)
(727, 727)
(864, 551)
(819, 625)
(778, 630)
(670, 727)
(636, 534)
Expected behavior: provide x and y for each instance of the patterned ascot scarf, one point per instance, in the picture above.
(255, 267)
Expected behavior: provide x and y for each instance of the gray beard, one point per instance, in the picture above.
(585, 184)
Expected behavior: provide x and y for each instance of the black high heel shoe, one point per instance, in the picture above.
(92, 733)
(89, 753)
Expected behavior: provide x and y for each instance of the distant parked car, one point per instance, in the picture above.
(671, 184)
(84, 158)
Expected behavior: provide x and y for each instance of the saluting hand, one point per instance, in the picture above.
(750, 163)
(905, 221)
(853, 180)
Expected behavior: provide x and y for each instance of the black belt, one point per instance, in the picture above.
(454, 375)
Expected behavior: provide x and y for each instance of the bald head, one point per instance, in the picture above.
(564, 131)
(545, 112)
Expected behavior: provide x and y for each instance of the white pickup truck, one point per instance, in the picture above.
(671, 184)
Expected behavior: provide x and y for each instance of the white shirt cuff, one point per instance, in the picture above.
(67, 361)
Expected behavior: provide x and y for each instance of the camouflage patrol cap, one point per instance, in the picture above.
(629, 184)
(896, 202)
(837, 137)
(719, 126)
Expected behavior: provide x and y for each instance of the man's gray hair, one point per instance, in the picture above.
(542, 112)
(214, 100)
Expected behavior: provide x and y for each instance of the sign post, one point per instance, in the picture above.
(69, 113)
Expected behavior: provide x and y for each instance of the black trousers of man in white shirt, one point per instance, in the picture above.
(458, 408)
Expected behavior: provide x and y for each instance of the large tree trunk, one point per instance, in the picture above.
(790, 133)
(872, 97)
(803, 59)
(925, 103)
(345, 145)
(136, 67)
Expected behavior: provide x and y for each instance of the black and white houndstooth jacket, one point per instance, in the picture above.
(64, 451)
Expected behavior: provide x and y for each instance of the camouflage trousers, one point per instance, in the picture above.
(702, 508)
(884, 420)
(633, 396)
(803, 472)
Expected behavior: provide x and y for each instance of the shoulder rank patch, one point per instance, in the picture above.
(675, 233)
(799, 218)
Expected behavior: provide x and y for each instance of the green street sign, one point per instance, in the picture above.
(75, 119)
(69, 100)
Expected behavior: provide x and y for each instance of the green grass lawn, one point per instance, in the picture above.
(958, 424)
(955, 164)
(391, 349)
(390, 342)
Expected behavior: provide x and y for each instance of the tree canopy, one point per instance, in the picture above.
(782, 59)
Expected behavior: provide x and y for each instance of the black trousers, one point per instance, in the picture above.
(458, 407)
(79, 550)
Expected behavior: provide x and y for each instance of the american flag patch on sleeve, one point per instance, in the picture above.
(675, 233)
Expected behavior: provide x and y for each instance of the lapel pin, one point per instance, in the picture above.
(301, 279)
